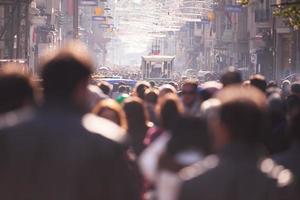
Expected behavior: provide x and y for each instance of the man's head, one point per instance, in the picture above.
(65, 75)
(231, 76)
(295, 88)
(189, 93)
(105, 87)
(140, 89)
(241, 116)
(259, 82)
(17, 89)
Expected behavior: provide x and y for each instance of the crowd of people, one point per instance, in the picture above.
(67, 138)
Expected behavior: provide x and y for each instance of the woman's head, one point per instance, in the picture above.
(169, 109)
(112, 111)
(135, 112)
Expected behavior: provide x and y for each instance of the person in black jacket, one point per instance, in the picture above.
(61, 153)
(239, 170)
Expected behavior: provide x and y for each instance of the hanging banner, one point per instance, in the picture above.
(233, 8)
(88, 3)
(104, 26)
(99, 18)
(99, 11)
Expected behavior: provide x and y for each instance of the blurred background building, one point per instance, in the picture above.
(249, 37)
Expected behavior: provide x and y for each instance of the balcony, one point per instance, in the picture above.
(262, 15)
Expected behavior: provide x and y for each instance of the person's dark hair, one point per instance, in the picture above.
(122, 89)
(17, 90)
(140, 89)
(151, 96)
(135, 112)
(105, 87)
(169, 110)
(137, 119)
(244, 120)
(272, 84)
(231, 76)
(295, 88)
(174, 84)
(62, 73)
(191, 83)
(114, 107)
(292, 103)
(152, 83)
(259, 82)
(242, 113)
(189, 133)
(294, 125)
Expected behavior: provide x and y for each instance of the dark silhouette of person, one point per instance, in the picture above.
(238, 171)
(64, 153)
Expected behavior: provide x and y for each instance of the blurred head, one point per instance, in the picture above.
(292, 103)
(286, 84)
(208, 89)
(136, 114)
(112, 111)
(231, 76)
(295, 88)
(17, 89)
(140, 89)
(151, 96)
(122, 89)
(174, 84)
(189, 93)
(241, 116)
(259, 82)
(65, 75)
(189, 133)
(272, 84)
(166, 89)
(152, 84)
(169, 109)
(105, 87)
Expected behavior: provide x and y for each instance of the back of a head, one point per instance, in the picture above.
(169, 110)
(135, 112)
(16, 88)
(122, 89)
(190, 133)
(295, 88)
(151, 96)
(292, 103)
(140, 89)
(259, 82)
(105, 87)
(271, 84)
(190, 83)
(231, 76)
(166, 89)
(242, 112)
(64, 71)
(111, 110)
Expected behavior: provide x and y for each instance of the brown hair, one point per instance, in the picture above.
(63, 70)
(169, 110)
(242, 112)
(17, 89)
(112, 105)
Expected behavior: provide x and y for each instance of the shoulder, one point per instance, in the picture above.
(102, 127)
(200, 168)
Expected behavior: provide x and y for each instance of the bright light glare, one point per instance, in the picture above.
(140, 22)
